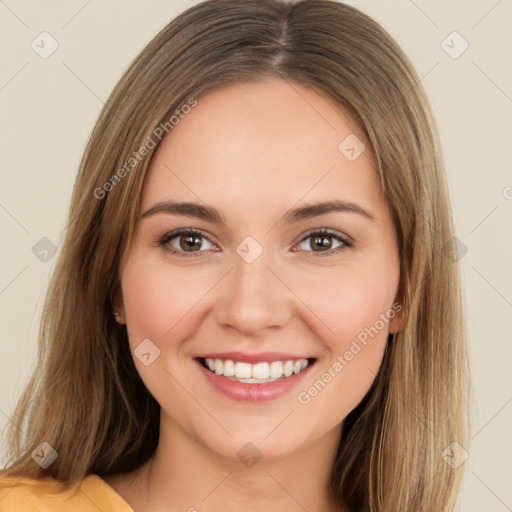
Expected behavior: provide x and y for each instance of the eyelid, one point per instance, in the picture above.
(186, 230)
(327, 231)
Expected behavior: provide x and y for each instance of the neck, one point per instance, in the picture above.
(184, 475)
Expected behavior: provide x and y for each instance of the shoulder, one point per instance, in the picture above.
(22, 494)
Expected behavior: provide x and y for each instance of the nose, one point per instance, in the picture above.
(253, 297)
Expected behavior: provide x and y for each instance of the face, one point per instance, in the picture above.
(252, 271)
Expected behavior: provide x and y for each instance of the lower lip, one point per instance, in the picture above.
(245, 392)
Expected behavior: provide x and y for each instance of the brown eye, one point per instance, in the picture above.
(323, 241)
(190, 242)
(185, 242)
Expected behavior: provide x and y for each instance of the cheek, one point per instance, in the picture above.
(158, 299)
(355, 303)
(348, 300)
(163, 304)
(357, 308)
(341, 383)
(358, 332)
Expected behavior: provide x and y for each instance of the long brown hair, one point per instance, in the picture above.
(86, 399)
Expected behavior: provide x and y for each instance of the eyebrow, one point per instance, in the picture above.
(210, 214)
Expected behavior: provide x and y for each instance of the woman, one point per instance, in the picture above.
(252, 307)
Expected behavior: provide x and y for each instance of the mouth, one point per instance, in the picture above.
(260, 373)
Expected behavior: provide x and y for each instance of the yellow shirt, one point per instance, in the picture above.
(20, 494)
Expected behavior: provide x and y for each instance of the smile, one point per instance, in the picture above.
(266, 378)
(258, 373)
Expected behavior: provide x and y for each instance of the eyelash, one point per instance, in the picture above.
(319, 232)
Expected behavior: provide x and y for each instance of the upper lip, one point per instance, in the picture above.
(253, 358)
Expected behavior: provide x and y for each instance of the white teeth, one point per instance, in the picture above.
(260, 370)
(276, 369)
(243, 370)
(256, 373)
(288, 368)
(229, 368)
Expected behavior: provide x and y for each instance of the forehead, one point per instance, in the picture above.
(263, 143)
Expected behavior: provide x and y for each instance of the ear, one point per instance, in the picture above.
(397, 323)
(118, 304)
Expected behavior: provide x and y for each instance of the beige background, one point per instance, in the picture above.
(48, 107)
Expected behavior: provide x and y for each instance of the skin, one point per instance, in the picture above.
(253, 151)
